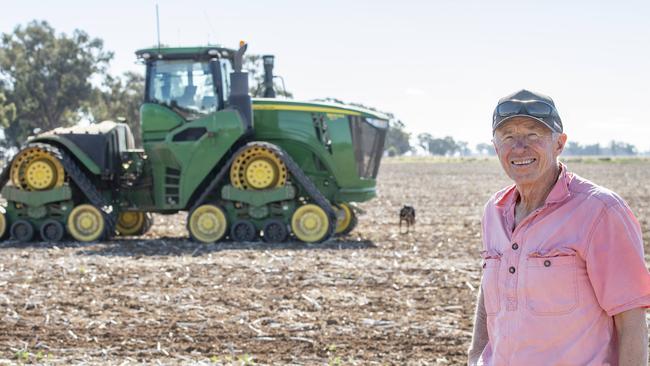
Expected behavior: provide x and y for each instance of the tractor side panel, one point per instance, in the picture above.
(157, 121)
(321, 144)
(59, 140)
(188, 154)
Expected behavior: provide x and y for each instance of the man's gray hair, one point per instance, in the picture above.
(555, 135)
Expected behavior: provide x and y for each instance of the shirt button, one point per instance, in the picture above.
(515, 246)
(547, 263)
(512, 269)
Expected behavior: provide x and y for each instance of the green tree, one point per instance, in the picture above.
(7, 112)
(485, 149)
(47, 76)
(397, 139)
(7, 116)
(119, 98)
(438, 146)
(425, 140)
(573, 148)
(463, 148)
(622, 148)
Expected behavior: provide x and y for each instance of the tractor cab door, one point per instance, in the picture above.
(186, 129)
(186, 87)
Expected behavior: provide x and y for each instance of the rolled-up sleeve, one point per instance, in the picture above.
(615, 261)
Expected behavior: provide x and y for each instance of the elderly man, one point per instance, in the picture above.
(564, 277)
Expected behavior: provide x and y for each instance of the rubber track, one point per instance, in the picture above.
(296, 173)
(4, 176)
(85, 185)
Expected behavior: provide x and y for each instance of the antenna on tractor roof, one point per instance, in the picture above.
(158, 27)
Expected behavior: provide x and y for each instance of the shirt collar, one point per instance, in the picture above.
(559, 192)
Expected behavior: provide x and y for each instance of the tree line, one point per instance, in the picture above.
(400, 142)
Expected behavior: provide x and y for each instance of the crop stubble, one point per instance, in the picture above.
(375, 297)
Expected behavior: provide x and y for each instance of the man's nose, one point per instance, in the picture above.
(520, 142)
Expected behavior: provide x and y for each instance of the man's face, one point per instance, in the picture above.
(527, 150)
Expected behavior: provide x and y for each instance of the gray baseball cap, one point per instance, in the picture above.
(525, 103)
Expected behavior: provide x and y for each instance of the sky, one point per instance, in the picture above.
(439, 66)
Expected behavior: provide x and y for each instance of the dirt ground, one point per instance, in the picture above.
(376, 297)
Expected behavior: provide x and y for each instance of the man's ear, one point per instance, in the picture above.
(561, 142)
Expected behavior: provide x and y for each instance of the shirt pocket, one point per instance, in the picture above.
(490, 282)
(551, 283)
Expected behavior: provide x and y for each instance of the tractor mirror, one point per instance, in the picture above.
(239, 56)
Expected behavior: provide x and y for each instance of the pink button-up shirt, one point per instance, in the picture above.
(553, 284)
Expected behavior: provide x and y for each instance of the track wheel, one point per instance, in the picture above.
(52, 230)
(275, 231)
(207, 223)
(243, 230)
(3, 225)
(22, 231)
(310, 223)
(36, 169)
(131, 223)
(258, 167)
(346, 219)
(148, 223)
(86, 223)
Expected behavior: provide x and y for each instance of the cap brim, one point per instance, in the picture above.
(494, 128)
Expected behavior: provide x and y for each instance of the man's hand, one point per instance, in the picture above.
(632, 333)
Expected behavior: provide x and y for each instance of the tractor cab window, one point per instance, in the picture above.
(184, 86)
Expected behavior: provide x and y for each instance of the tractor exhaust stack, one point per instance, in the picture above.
(240, 97)
(269, 90)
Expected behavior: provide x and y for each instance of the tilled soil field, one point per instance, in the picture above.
(375, 297)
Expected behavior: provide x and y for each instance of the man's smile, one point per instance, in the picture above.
(523, 162)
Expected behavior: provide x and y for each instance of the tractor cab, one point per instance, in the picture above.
(191, 82)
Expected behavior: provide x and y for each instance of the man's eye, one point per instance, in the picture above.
(533, 136)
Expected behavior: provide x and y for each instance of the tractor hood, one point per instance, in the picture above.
(262, 104)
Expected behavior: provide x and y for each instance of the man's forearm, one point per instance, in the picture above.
(480, 335)
(632, 333)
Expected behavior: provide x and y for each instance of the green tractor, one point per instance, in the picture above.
(243, 168)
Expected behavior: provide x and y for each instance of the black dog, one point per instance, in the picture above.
(407, 213)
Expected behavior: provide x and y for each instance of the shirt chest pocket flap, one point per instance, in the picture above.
(551, 282)
(490, 282)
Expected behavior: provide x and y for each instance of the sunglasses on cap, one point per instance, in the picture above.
(532, 108)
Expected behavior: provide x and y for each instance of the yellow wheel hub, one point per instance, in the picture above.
(35, 169)
(207, 223)
(258, 167)
(85, 223)
(343, 217)
(130, 223)
(3, 225)
(310, 223)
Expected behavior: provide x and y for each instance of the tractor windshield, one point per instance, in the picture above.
(185, 86)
